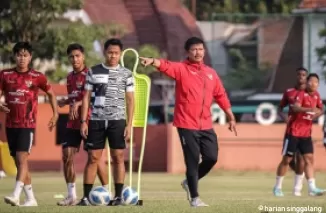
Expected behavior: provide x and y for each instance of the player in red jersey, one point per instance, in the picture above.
(20, 87)
(297, 163)
(307, 107)
(72, 139)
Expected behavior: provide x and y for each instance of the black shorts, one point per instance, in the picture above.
(286, 137)
(72, 138)
(20, 139)
(99, 131)
(293, 144)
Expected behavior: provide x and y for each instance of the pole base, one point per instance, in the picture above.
(139, 203)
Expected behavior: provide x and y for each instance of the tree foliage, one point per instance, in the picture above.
(28, 20)
(205, 8)
(321, 51)
(40, 22)
(246, 75)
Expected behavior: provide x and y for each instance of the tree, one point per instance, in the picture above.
(207, 7)
(28, 20)
(321, 51)
(245, 75)
(40, 22)
(60, 37)
(145, 51)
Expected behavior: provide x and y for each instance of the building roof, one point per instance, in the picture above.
(165, 24)
(311, 4)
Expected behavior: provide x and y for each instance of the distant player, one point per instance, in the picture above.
(72, 140)
(297, 163)
(306, 108)
(20, 87)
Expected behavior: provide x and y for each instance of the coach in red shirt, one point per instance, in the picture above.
(196, 86)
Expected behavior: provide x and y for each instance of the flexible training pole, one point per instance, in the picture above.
(131, 147)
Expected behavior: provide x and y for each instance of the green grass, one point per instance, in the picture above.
(225, 192)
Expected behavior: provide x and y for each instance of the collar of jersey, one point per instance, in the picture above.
(29, 70)
(76, 73)
(310, 93)
(111, 68)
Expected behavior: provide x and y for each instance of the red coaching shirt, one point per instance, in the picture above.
(75, 87)
(197, 85)
(300, 124)
(21, 94)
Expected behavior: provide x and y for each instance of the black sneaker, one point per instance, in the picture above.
(117, 201)
(83, 202)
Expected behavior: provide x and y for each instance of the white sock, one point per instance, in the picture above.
(298, 182)
(311, 184)
(18, 189)
(29, 192)
(279, 181)
(72, 190)
(106, 186)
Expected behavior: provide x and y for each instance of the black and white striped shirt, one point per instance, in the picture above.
(109, 86)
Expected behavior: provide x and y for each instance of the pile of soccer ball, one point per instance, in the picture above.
(100, 196)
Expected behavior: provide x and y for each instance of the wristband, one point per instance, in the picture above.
(82, 121)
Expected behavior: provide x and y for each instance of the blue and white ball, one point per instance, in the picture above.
(99, 196)
(129, 196)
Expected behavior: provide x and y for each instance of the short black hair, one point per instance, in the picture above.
(19, 46)
(75, 46)
(191, 41)
(311, 75)
(113, 41)
(301, 69)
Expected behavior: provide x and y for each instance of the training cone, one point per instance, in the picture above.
(6, 160)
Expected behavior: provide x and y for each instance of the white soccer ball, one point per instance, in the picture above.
(99, 196)
(129, 196)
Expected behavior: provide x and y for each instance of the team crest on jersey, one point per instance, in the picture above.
(28, 83)
(79, 84)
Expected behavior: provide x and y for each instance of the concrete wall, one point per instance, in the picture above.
(256, 147)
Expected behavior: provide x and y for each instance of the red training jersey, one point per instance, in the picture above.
(197, 85)
(21, 95)
(75, 88)
(300, 124)
(288, 99)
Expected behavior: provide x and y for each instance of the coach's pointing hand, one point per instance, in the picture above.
(146, 61)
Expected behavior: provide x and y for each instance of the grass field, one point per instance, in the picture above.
(225, 192)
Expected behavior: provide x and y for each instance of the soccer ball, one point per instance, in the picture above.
(99, 196)
(129, 196)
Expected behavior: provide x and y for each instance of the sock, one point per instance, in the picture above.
(118, 189)
(29, 192)
(18, 189)
(106, 186)
(193, 185)
(72, 190)
(298, 182)
(87, 190)
(279, 181)
(311, 184)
